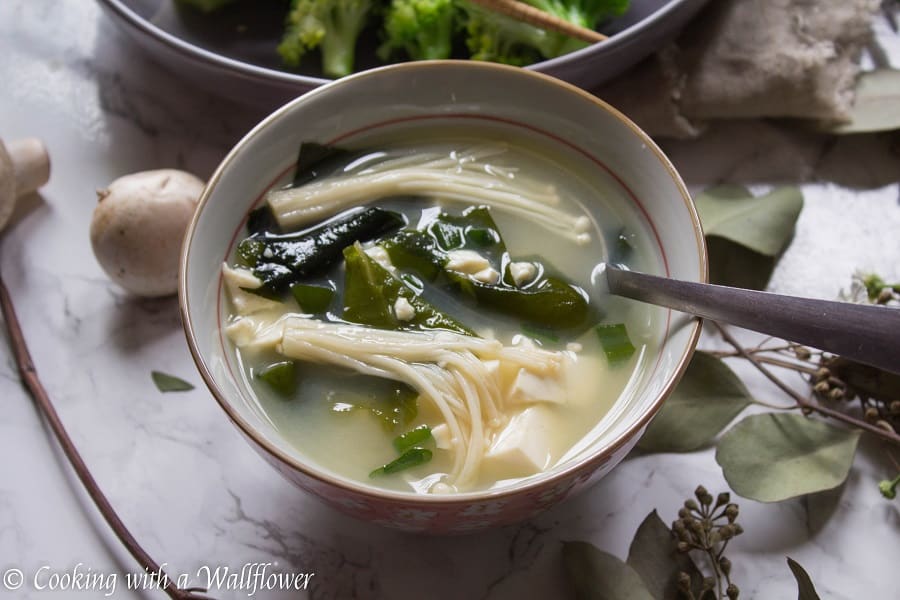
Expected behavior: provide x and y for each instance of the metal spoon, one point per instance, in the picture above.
(862, 332)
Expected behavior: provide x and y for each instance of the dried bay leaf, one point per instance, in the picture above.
(805, 588)
(708, 397)
(775, 456)
(877, 104)
(598, 575)
(655, 557)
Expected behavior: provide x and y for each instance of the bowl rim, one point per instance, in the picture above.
(199, 54)
(590, 462)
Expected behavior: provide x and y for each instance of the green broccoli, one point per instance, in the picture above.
(421, 28)
(206, 6)
(330, 25)
(587, 13)
(498, 38)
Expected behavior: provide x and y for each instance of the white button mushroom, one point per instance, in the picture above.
(24, 167)
(138, 226)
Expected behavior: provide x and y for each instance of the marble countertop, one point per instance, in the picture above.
(195, 494)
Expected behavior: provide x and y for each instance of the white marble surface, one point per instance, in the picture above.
(195, 494)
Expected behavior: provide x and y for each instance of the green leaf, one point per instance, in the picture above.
(805, 587)
(597, 575)
(877, 104)
(775, 456)
(708, 397)
(655, 557)
(764, 224)
(169, 383)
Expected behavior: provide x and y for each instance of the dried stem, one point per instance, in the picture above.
(39, 394)
(802, 402)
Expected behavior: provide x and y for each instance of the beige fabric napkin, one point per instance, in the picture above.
(750, 59)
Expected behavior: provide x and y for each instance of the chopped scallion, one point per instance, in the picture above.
(414, 437)
(615, 341)
(411, 458)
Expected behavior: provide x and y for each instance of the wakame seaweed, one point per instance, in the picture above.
(281, 260)
(316, 160)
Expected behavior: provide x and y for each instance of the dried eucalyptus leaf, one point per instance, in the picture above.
(654, 556)
(805, 587)
(708, 397)
(763, 224)
(597, 575)
(737, 266)
(169, 383)
(775, 456)
(877, 104)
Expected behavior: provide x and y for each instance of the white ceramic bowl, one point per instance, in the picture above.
(421, 95)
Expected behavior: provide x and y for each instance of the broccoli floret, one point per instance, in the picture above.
(206, 6)
(498, 38)
(330, 25)
(421, 28)
(587, 13)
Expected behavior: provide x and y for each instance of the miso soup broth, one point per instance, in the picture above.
(445, 338)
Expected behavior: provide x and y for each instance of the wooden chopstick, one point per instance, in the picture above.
(534, 16)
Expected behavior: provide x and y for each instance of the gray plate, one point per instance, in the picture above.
(233, 53)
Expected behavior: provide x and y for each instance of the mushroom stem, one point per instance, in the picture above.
(31, 164)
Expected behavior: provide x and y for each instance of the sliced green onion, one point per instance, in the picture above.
(541, 334)
(410, 458)
(313, 299)
(281, 377)
(414, 437)
(615, 341)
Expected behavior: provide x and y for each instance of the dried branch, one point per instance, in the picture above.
(42, 399)
(802, 402)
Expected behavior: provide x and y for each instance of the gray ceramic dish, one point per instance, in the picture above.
(235, 55)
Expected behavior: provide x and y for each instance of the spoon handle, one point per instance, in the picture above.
(862, 332)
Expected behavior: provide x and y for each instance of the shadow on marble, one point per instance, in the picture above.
(138, 322)
(184, 126)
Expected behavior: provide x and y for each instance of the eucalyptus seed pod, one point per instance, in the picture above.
(732, 591)
(703, 496)
(732, 511)
(684, 547)
(894, 408)
(821, 388)
(684, 583)
(722, 499)
(691, 505)
(822, 374)
(738, 530)
(726, 532)
(683, 513)
(836, 394)
(884, 425)
(725, 565)
(871, 415)
(802, 352)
